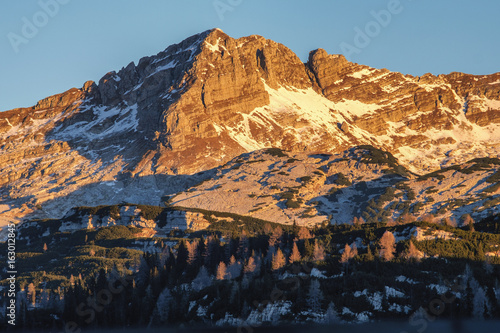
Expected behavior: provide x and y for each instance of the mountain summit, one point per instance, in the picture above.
(200, 103)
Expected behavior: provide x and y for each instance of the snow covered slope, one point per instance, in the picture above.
(158, 127)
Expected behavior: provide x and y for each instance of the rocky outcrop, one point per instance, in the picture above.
(198, 104)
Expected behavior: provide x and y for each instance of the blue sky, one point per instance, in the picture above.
(82, 40)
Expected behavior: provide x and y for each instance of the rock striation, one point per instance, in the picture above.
(138, 133)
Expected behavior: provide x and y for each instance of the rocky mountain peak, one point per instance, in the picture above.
(200, 103)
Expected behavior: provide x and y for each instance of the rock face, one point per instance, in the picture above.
(309, 189)
(201, 102)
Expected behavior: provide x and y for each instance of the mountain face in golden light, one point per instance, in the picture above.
(138, 134)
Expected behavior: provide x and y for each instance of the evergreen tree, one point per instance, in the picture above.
(234, 268)
(309, 248)
(182, 256)
(369, 254)
(243, 246)
(331, 317)
(163, 305)
(202, 280)
(480, 303)
(315, 296)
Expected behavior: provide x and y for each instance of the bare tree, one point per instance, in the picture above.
(387, 246)
(319, 251)
(278, 260)
(221, 271)
(304, 233)
(407, 218)
(413, 253)
(250, 266)
(32, 294)
(347, 255)
(451, 222)
(468, 221)
(295, 255)
(192, 248)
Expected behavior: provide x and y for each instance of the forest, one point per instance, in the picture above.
(259, 273)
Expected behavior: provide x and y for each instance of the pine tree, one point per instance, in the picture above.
(309, 248)
(488, 267)
(467, 275)
(45, 247)
(480, 303)
(369, 254)
(243, 245)
(295, 255)
(331, 316)
(202, 280)
(278, 260)
(387, 246)
(221, 271)
(315, 296)
(234, 268)
(163, 305)
(182, 255)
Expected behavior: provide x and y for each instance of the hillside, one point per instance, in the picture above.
(151, 128)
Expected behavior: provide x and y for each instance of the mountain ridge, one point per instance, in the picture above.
(202, 102)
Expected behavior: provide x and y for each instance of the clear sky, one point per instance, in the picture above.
(46, 49)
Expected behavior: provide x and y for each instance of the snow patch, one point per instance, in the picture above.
(361, 73)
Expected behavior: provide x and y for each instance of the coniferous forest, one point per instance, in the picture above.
(257, 273)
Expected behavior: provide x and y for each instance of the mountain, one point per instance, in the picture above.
(162, 126)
